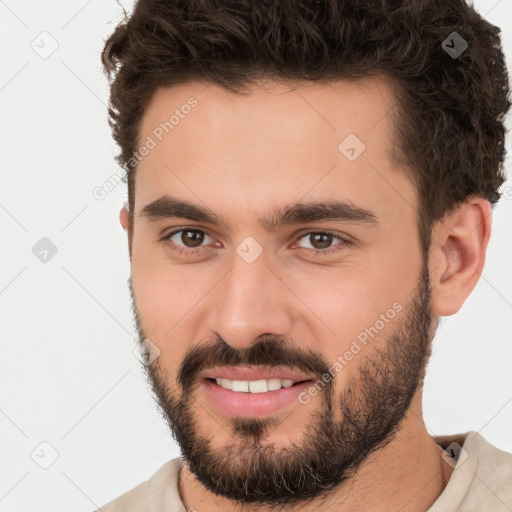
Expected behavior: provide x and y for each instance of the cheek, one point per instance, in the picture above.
(168, 302)
(162, 291)
(163, 301)
(350, 310)
(160, 309)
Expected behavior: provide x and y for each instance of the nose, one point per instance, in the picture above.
(250, 301)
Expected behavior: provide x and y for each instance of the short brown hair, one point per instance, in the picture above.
(450, 118)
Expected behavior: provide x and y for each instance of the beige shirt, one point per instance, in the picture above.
(480, 482)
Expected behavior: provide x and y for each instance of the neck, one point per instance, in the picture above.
(408, 474)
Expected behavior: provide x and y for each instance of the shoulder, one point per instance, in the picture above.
(481, 479)
(493, 475)
(135, 500)
(161, 488)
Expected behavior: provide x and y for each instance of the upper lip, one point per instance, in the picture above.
(253, 373)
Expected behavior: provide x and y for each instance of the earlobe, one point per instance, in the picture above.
(457, 255)
(124, 218)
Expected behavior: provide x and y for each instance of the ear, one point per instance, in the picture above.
(457, 255)
(124, 219)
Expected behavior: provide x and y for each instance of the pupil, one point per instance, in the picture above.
(317, 238)
(321, 240)
(195, 237)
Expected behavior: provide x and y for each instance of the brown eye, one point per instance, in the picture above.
(323, 243)
(187, 238)
(192, 238)
(320, 240)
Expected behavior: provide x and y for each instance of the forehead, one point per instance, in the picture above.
(277, 143)
(272, 110)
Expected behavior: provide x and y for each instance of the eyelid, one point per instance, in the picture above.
(345, 240)
(297, 235)
(343, 236)
(172, 231)
(175, 231)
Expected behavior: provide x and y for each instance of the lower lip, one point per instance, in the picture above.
(252, 405)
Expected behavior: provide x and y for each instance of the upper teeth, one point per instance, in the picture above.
(255, 386)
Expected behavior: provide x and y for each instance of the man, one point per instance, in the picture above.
(310, 190)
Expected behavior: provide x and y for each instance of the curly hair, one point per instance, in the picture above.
(449, 115)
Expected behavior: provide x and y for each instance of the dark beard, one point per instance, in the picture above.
(371, 407)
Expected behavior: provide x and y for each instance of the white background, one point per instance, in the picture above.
(68, 375)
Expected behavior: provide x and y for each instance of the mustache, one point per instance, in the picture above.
(269, 352)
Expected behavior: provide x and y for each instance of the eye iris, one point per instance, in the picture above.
(317, 238)
(196, 238)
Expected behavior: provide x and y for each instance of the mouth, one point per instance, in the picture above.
(253, 392)
(255, 386)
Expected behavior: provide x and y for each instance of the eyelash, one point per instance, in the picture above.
(183, 251)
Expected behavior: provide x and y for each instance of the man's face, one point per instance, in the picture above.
(281, 301)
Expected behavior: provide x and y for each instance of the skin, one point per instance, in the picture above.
(244, 156)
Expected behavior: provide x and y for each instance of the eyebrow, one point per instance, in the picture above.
(167, 207)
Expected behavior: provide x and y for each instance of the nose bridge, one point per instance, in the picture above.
(250, 301)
